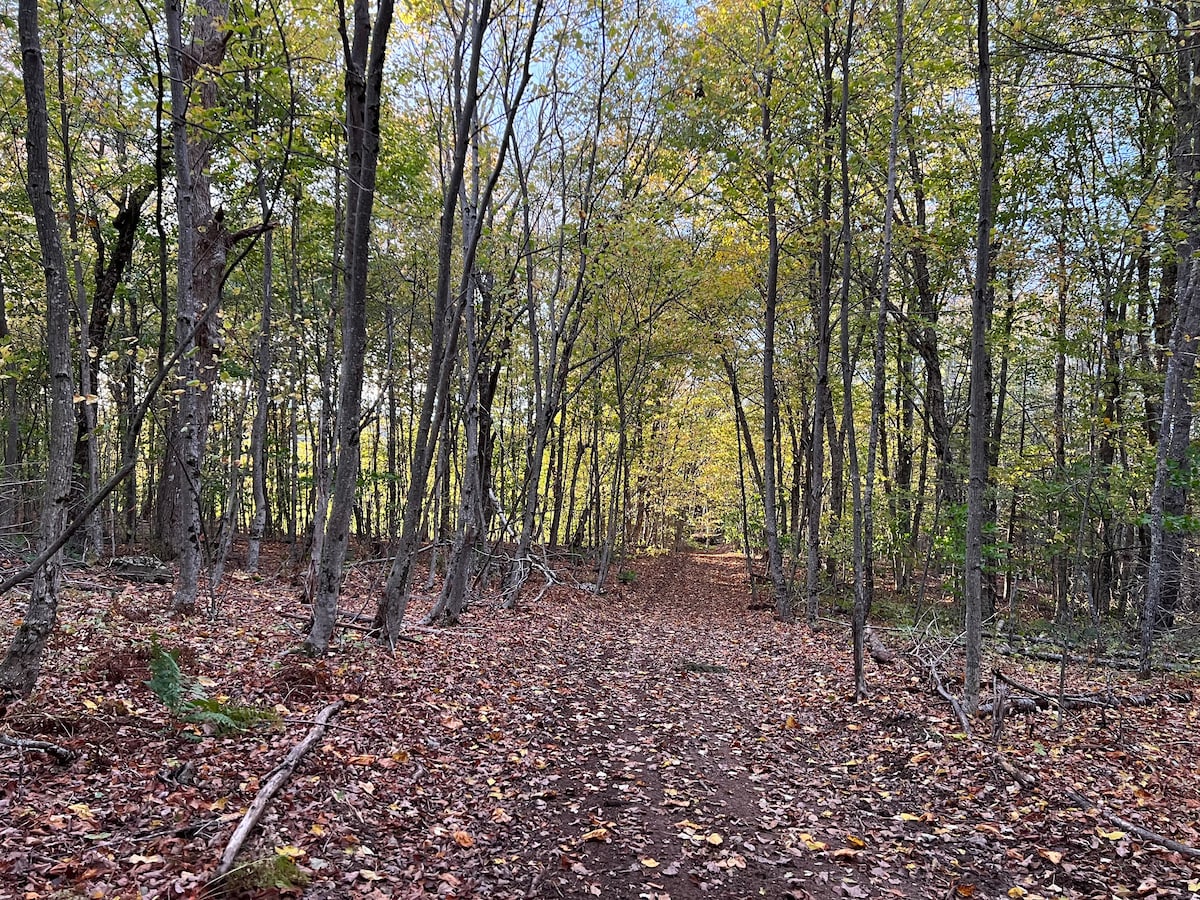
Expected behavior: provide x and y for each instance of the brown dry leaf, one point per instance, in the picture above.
(596, 834)
(463, 839)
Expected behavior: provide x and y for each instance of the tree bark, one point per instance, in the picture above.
(22, 664)
(978, 424)
(364, 84)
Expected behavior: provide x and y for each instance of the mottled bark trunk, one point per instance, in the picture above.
(22, 664)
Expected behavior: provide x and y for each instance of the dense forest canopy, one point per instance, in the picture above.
(870, 290)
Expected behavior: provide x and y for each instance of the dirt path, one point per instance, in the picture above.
(660, 741)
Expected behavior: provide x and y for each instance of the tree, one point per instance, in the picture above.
(21, 665)
(364, 59)
(979, 420)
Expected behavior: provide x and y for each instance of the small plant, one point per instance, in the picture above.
(187, 701)
(627, 576)
(278, 872)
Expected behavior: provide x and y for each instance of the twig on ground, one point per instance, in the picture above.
(64, 755)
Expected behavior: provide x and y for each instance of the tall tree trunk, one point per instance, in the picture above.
(364, 85)
(782, 596)
(22, 664)
(858, 559)
(1168, 495)
(182, 487)
(262, 391)
(822, 402)
(862, 604)
(978, 424)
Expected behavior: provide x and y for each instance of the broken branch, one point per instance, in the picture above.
(281, 774)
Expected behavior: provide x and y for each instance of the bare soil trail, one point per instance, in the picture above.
(658, 741)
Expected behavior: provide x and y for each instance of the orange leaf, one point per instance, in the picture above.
(463, 839)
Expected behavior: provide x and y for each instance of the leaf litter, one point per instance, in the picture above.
(658, 741)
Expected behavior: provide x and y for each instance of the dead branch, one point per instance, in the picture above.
(935, 678)
(1144, 833)
(1024, 779)
(1102, 699)
(277, 779)
(64, 755)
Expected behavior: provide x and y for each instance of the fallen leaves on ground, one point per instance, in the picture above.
(656, 741)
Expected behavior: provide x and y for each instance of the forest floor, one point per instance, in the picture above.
(659, 741)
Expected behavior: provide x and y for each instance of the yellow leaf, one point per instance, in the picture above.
(289, 851)
(90, 705)
(715, 839)
(791, 722)
(463, 839)
(318, 830)
(909, 817)
(650, 863)
(855, 841)
(1111, 835)
(1053, 855)
(1017, 892)
(596, 834)
(369, 875)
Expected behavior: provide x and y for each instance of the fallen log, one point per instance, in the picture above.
(1144, 833)
(1103, 700)
(64, 755)
(277, 779)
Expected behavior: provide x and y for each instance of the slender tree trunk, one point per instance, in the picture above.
(821, 397)
(364, 84)
(862, 605)
(782, 596)
(262, 392)
(978, 423)
(861, 600)
(185, 497)
(22, 664)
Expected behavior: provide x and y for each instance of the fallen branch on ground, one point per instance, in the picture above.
(277, 779)
(935, 679)
(353, 626)
(1103, 699)
(64, 755)
(1144, 833)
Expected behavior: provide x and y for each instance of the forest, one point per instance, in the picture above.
(450, 442)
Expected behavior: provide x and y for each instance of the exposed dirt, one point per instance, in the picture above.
(658, 741)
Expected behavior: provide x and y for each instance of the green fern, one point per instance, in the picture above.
(186, 699)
